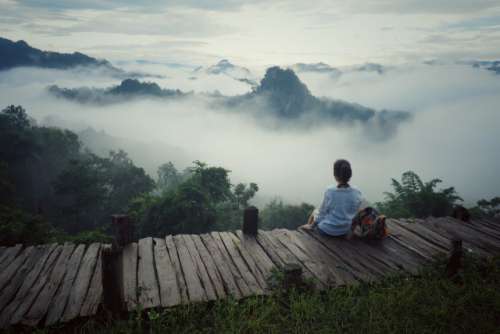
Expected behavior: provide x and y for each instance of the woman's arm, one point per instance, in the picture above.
(323, 209)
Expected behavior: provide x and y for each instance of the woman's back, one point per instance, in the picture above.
(340, 205)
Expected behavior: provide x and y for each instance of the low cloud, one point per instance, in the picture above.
(453, 134)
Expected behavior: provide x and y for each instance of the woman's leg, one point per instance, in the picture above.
(310, 222)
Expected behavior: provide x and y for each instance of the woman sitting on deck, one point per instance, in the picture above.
(343, 209)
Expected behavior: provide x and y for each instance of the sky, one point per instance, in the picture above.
(259, 33)
(453, 134)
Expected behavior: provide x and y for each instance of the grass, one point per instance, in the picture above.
(427, 303)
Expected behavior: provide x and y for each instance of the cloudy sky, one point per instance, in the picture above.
(259, 32)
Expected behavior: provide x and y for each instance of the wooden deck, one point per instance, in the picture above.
(46, 284)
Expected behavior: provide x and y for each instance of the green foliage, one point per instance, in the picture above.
(486, 209)
(18, 226)
(277, 214)
(92, 188)
(200, 199)
(414, 198)
(88, 237)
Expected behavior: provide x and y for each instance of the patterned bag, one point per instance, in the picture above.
(369, 224)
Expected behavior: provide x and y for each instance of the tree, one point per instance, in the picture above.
(486, 209)
(92, 188)
(276, 214)
(414, 198)
(204, 200)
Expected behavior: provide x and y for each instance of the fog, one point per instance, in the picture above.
(453, 134)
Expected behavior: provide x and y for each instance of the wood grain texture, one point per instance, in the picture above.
(262, 259)
(129, 275)
(38, 285)
(174, 258)
(9, 255)
(81, 283)
(43, 300)
(7, 274)
(28, 282)
(251, 263)
(335, 267)
(201, 270)
(210, 266)
(147, 283)
(233, 269)
(10, 290)
(60, 300)
(167, 279)
(228, 280)
(195, 289)
(240, 263)
(94, 295)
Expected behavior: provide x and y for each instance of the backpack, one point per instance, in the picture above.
(369, 224)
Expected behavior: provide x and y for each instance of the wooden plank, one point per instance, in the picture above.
(10, 290)
(169, 289)
(274, 248)
(229, 281)
(60, 300)
(467, 229)
(35, 289)
(174, 257)
(2, 250)
(251, 262)
(195, 289)
(147, 284)
(9, 255)
(469, 242)
(210, 266)
(420, 230)
(252, 247)
(305, 260)
(200, 268)
(95, 293)
(245, 263)
(238, 277)
(7, 274)
(417, 244)
(407, 259)
(129, 274)
(357, 257)
(278, 259)
(492, 223)
(81, 283)
(336, 268)
(27, 283)
(492, 232)
(42, 302)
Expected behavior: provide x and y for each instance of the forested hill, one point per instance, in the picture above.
(15, 54)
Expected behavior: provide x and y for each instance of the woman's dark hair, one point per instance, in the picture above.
(342, 170)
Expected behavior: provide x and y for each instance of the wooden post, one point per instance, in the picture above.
(112, 279)
(123, 230)
(251, 221)
(455, 261)
(292, 276)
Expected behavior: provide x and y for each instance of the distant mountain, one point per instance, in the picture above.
(371, 67)
(127, 89)
(282, 95)
(225, 67)
(316, 68)
(490, 65)
(17, 54)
